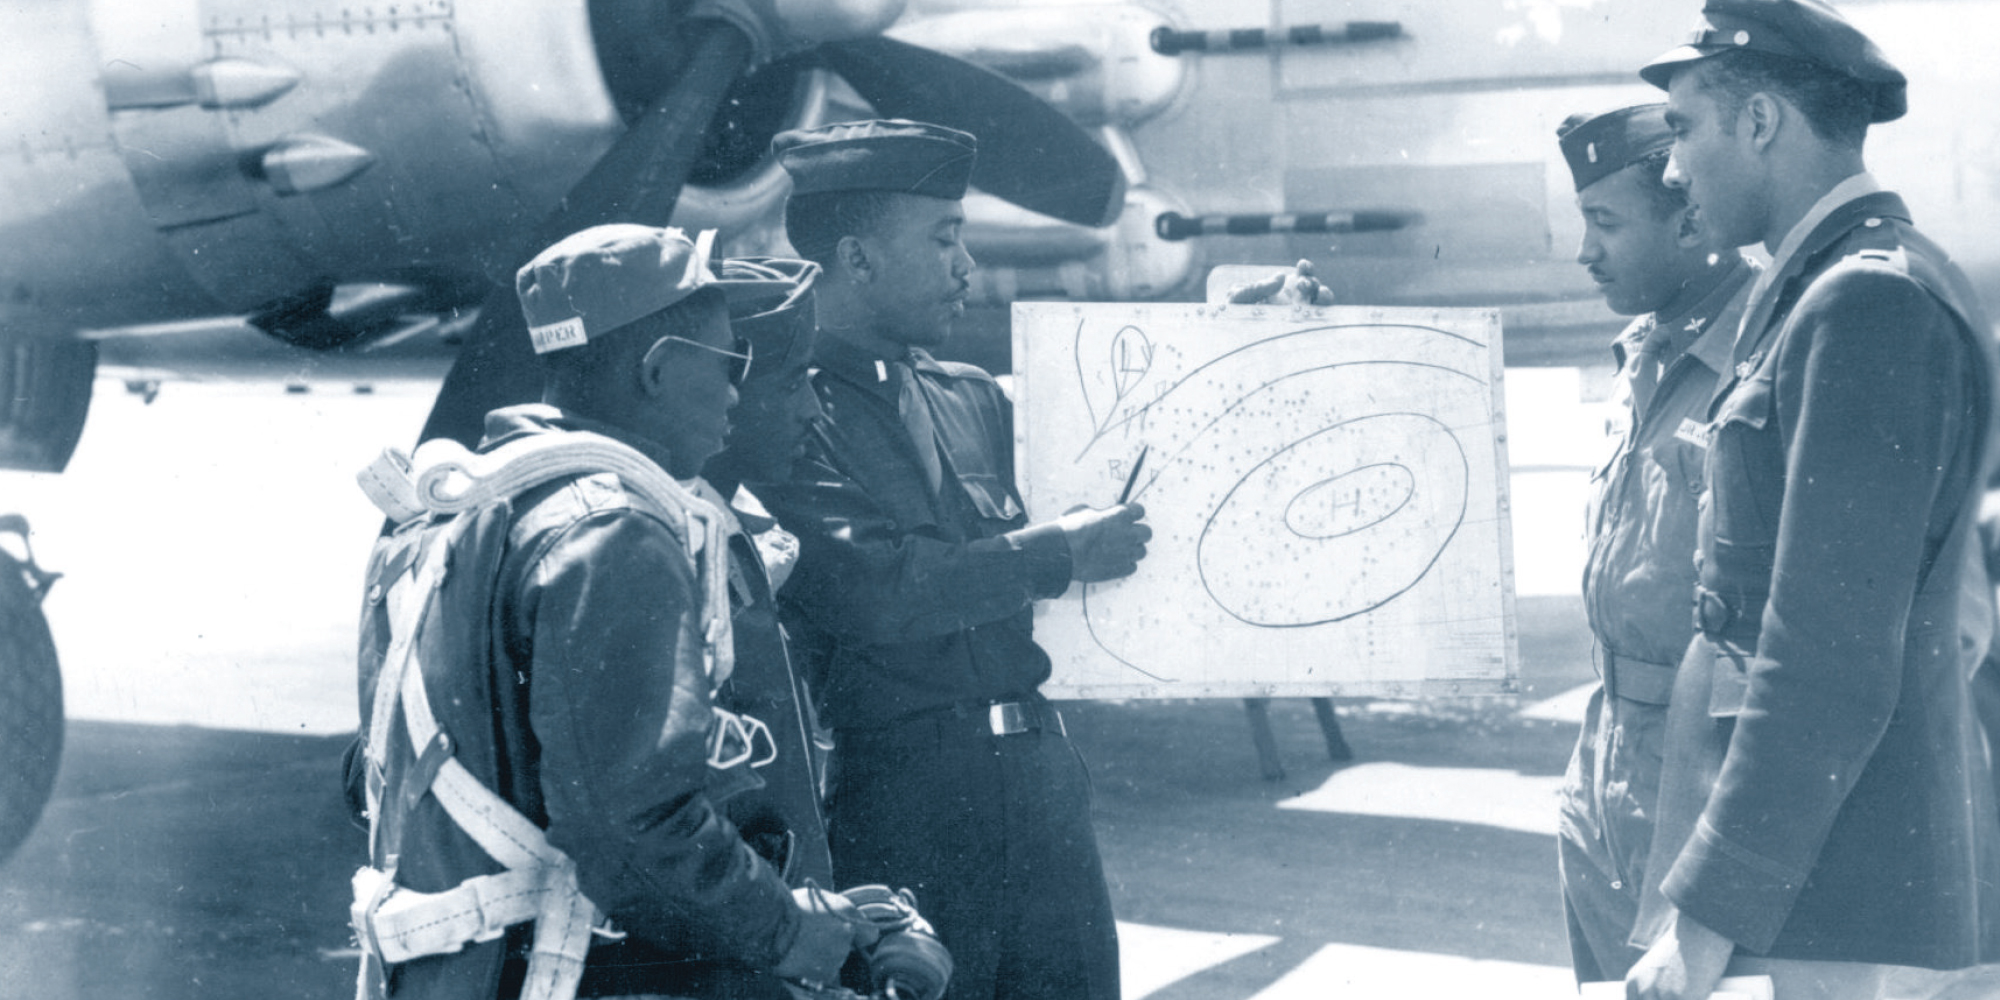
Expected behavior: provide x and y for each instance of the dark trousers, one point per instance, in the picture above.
(992, 834)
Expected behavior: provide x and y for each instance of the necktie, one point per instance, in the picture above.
(916, 413)
(1646, 368)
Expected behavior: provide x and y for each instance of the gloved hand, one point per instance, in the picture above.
(908, 962)
(1297, 286)
(830, 927)
(1105, 543)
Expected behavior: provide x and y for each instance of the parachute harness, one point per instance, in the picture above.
(395, 924)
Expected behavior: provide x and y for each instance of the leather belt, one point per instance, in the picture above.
(1637, 680)
(977, 716)
(1007, 718)
(999, 718)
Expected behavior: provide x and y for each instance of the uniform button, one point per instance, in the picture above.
(1872, 223)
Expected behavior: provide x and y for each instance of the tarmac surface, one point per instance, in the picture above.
(197, 847)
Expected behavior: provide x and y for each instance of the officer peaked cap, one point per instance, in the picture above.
(1601, 145)
(1806, 30)
(879, 155)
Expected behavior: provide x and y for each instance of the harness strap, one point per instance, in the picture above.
(562, 939)
(406, 924)
(451, 479)
(397, 924)
(540, 883)
(408, 601)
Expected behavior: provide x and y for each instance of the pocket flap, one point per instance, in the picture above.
(1729, 681)
(1750, 403)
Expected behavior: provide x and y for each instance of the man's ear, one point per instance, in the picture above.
(853, 257)
(652, 371)
(1764, 114)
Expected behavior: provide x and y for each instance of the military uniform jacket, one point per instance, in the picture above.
(918, 599)
(564, 659)
(1638, 582)
(1825, 793)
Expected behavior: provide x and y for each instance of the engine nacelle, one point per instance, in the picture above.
(181, 158)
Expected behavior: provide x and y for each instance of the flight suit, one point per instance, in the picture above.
(565, 662)
(1825, 795)
(1638, 585)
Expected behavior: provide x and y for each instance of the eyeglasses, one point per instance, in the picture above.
(739, 359)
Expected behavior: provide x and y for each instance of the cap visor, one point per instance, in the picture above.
(738, 290)
(1660, 71)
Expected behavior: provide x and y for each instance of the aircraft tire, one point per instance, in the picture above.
(31, 708)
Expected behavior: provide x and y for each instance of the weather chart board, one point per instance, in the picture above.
(1327, 489)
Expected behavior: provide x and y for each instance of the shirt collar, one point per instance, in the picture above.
(1692, 331)
(1695, 330)
(1856, 187)
(871, 370)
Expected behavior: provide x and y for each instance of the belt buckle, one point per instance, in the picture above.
(1007, 718)
(1712, 612)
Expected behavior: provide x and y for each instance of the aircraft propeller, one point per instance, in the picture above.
(1030, 154)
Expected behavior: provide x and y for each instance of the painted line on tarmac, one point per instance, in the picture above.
(1152, 958)
(1477, 796)
(1359, 972)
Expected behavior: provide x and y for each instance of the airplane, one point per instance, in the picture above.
(207, 188)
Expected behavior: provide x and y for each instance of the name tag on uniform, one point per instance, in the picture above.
(1696, 434)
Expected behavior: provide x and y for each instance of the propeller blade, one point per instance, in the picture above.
(1029, 153)
(638, 180)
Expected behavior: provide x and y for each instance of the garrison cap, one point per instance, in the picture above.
(1598, 146)
(771, 306)
(878, 155)
(595, 281)
(1805, 30)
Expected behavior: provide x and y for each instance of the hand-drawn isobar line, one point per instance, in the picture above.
(1130, 358)
(1302, 499)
